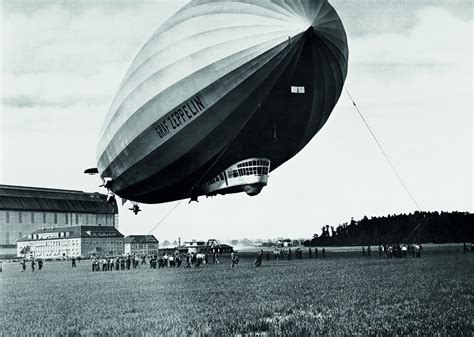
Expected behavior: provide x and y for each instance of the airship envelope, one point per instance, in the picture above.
(221, 94)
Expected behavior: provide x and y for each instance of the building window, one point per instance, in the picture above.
(8, 217)
(32, 217)
(55, 218)
(77, 218)
(44, 217)
(67, 218)
(20, 217)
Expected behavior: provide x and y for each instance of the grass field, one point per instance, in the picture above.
(356, 295)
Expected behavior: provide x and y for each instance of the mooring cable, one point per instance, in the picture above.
(207, 171)
(383, 151)
(388, 160)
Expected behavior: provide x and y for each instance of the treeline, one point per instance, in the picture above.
(419, 227)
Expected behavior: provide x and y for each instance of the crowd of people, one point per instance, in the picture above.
(189, 260)
(33, 263)
(395, 250)
(175, 260)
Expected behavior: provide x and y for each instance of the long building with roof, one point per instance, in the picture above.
(26, 209)
(74, 241)
(141, 245)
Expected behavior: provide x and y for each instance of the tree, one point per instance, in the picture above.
(25, 250)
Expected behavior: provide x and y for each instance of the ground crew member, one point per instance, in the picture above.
(258, 260)
(233, 259)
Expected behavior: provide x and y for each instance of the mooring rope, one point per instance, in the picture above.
(383, 151)
(388, 160)
(206, 172)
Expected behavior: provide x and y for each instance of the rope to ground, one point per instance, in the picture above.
(206, 172)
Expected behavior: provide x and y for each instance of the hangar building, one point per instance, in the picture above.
(26, 209)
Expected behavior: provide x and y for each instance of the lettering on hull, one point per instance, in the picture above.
(179, 117)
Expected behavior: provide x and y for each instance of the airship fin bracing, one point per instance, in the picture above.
(221, 94)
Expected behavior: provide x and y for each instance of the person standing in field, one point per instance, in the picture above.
(232, 259)
(33, 265)
(23, 265)
(324, 253)
(417, 250)
(258, 260)
(73, 262)
(289, 254)
(216, 257)
(310, 253)
(40, 264)
(188, 261)
(316, 252)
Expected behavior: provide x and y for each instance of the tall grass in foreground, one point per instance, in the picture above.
(299, 297)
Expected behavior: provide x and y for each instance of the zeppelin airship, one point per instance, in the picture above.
(223, 93)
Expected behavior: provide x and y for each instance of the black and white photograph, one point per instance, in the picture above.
(236, 167)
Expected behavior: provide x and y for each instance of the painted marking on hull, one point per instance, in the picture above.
(176, 119)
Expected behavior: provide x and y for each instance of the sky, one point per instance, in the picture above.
(410, 73)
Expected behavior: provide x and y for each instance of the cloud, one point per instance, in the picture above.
(56, 55)
(435, 40)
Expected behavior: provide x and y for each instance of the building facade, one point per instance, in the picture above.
(141, 245)
(74, 241)
(26, 209)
